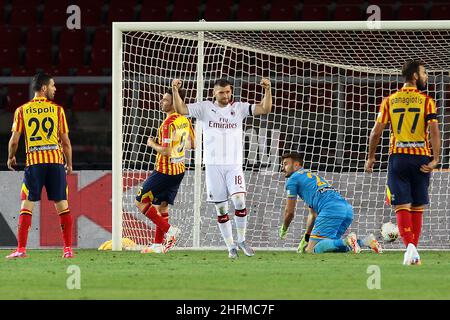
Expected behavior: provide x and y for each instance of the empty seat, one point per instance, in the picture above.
(55, 16)
(91, 14)
(411, 12)
(63, 95)
(61, 4)
(38, 58)
(11, 37)
(39, 38)
(285, 10)
(87, 71)
(17, 95)
(72, 38)
(86, 98)
(101, 58)
(387, 11)
(71, 58)
(9, 57)
(218, 11)
(347, 13)
(440, 11)
(119, 3)
(185, 10)
(30, 3)
(317, 2)
(314, 12)
(124, 12)
(55, 71)
(153, 10)
(102, 38)
(352, 2)
(21, 15)
(250, 10)
(21, 71)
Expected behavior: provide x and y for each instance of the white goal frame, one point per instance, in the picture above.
(200, 27)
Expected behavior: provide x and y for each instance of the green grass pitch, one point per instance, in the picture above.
(204, 275)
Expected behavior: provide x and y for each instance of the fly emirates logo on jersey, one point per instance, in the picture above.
(223, 124)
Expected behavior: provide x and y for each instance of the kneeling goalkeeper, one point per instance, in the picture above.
(330, 214)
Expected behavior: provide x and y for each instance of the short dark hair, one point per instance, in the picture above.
(295, 156)
(181, 91)
(39, 80)
(223, 82)
(410, 67)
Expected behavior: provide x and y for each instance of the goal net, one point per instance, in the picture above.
(327, 85)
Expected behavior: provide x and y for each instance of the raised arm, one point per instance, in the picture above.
(374, 139)
(265, 106)
(178, 103)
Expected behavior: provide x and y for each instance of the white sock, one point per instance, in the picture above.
(227, 233)
(241, 227)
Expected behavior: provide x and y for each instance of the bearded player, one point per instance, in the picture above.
(223, 151)
(413, 117)
(48, 150)
(330, 214)
(161, 187)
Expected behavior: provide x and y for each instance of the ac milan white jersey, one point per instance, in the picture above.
(222, 130)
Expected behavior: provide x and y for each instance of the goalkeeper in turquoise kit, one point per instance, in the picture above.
(330, 214)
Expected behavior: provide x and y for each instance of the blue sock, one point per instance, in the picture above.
(330, 245)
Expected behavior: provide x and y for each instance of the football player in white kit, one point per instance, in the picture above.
(222, 121)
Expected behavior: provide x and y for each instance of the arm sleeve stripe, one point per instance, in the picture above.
(166, 134)
(427, 106)
(250, 110)
(431, 116)
(20, 123)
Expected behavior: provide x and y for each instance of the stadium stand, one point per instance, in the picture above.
(287, 10)
(35, 37)
(251, 10)
(153, 11)
(86, 98)
(219, 11)
(440, 11)
(186, 10)
(22, 15)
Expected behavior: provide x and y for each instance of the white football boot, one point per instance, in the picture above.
(411, 256)
(352, 241)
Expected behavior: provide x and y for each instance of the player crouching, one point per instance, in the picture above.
(330, 214)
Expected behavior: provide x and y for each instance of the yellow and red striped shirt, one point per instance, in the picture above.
(42, 122)
(409, 111)
(174, 132)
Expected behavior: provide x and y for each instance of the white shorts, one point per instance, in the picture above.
(223, 181)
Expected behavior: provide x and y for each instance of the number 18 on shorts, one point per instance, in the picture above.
(222, 181)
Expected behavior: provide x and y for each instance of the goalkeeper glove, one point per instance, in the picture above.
(302, 246)
(283, 232)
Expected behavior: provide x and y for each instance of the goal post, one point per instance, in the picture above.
(328, 79)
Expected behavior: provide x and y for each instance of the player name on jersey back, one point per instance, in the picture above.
(222, 130)
(39, 110)
(409, 111)
(42, 122)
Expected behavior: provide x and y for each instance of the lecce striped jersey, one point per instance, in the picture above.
(174, 132)
(42, 122)
(409, 111)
